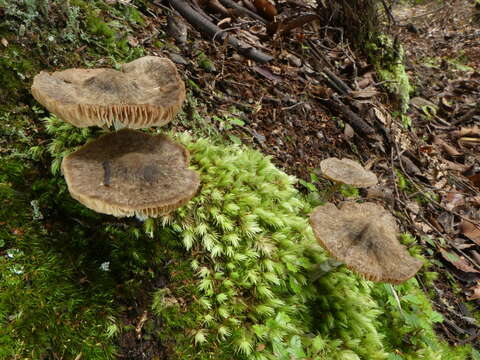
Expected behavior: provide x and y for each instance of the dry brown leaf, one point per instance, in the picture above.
(468, 131)
(475, 295)
(449, 149)
(132, 41)
(348, 132)
(475, 179)
(380, 116)
(446, 104)
(453, 199)
(470, 230)
(366, 93)
(413, 207)
(459, 262)
(267, 74)
(420, 102)
(409, 166)
(450, 165)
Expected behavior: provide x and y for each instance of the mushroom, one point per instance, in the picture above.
(129, 172)
(346, 171)
(364, 237)
(145, 92)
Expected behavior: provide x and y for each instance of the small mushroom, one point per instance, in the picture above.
(145, 92)
(364, 237)
(346, 171)
(129, 173)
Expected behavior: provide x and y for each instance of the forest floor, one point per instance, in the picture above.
(427, 159)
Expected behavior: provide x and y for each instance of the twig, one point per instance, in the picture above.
(207, 27)
(431, 201)
(353, 119)
(243, 11)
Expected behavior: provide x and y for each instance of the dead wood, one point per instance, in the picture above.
(359, 125)
(205, 26)
(285, 26)
(243, 11)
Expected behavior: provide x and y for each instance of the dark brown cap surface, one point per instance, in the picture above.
(145, 92)
(128, 173)
(364, 237)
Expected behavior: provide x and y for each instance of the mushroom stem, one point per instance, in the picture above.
(324, 268)
(118, 125)
(141, 217)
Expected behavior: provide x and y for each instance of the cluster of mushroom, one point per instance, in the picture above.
(125, 172)
(363, 236)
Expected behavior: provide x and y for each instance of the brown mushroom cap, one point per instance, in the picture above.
(348, 172)
(145, 92)
(128, 173)
(364, 237)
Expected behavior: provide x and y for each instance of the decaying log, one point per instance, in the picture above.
(207, 27)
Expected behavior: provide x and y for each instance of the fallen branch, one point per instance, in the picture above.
(241, 10)
(285, 26)
(353, 119)
(205, 26)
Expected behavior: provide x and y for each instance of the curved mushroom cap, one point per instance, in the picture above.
(363, 236)
(146, 92)
(128, 173)
(348, 172)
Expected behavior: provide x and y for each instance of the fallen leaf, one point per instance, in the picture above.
(475, 200)
(476, 256)
(419, 102)
(261, 347)
(446, 147)
(475, 292)
(409, 166)
(18, 232)
(348, 132)
(470, 230)
(453, 199)
(450, 165)
(267, 74)
(446, 103)
(132, 41)
(467, 131)
(459, 262)
(475, 179)
(380, 116)
(366, 80)
(413, 207)
(366, 93)
(141, 322)
(4, 42)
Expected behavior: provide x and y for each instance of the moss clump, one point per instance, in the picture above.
(388, 57)
(239, 258)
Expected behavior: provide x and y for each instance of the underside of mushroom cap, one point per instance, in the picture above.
(145, 92)
(364, 237)
(348, 172)
(129, 173)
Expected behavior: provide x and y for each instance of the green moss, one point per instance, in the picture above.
(15, 68)
(240, 257)
(388, 58)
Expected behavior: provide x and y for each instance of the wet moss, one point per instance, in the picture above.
(387, 56)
